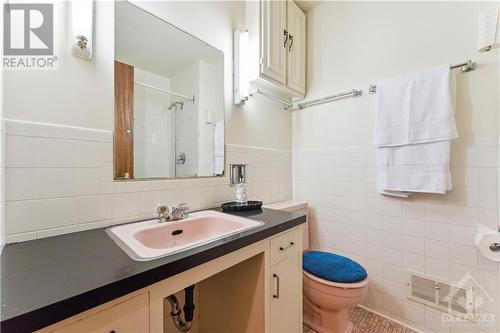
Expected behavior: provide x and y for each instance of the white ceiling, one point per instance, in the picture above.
(145, 41)
(306, 5)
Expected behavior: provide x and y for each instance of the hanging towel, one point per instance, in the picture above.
(415, 108)
(414, 168)
(219, 148)
(414, 125)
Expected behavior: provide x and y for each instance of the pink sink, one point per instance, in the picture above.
(150, 239)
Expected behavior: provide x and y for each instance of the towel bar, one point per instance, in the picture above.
(465, 67)
(350, 93)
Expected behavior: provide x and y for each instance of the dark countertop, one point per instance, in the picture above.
(47, 280)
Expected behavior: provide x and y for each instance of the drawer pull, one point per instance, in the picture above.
(287, 247)
(277, 294)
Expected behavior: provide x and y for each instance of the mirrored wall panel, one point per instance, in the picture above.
(169, 100)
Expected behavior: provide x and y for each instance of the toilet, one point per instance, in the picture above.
(332, 284)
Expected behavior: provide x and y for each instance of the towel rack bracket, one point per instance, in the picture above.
(468, 66)
(357, 93)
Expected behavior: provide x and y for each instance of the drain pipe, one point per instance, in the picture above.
(185, 324)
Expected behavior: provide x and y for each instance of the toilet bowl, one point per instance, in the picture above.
(332, 284)
(326, 304)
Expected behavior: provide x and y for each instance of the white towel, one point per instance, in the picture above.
(219, 148)
(219, 138)
(414, 123)
(414, 168)
(415, 108)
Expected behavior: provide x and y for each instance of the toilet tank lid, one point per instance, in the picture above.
(288, 206)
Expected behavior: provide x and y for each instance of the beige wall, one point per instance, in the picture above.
(80, 93)
(352, 45)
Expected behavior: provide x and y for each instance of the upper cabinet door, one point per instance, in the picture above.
(274, 40)
(296, 48)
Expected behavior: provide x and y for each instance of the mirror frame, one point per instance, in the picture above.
(224, 173)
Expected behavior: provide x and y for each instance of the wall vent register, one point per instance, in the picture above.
(440, 294)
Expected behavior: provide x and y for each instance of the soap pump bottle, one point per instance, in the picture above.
(241, 192)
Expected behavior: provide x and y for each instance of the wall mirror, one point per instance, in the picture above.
(169, 100)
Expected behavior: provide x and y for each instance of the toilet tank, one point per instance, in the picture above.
(295, 206)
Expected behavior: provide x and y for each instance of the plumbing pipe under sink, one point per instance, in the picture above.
(185, 324)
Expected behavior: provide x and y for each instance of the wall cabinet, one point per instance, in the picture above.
(277, 31)
(296, 55)
(274, 42)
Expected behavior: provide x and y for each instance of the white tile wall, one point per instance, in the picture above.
(60, 179)
(431, 234)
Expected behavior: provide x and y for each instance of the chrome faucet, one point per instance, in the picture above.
(174, 213)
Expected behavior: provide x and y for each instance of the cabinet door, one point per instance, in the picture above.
(273, 48)
(286, 296)
(296, 48)
(130, 316)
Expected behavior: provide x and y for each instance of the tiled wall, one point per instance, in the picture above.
(186, 126)
(154, 127)
(59, 180)
(431, 234)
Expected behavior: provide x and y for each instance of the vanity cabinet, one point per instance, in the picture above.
(277, 31)
(257, 288)
(285, 309)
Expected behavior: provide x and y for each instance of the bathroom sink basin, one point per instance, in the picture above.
(151, 240)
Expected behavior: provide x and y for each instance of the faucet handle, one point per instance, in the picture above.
(162, 210)
(184, 207)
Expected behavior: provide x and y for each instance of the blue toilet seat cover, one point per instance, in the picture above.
(332, 267)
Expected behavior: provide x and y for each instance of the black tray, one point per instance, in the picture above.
(238, 207)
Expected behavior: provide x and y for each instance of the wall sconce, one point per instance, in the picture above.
(240, 67)
(81, 22)
(489, 30)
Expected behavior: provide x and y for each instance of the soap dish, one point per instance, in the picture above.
(241, 207)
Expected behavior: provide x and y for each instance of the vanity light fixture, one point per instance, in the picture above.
(81, 21)
(241, 80)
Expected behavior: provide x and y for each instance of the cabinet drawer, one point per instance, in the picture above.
(285, 244)
(129, 316)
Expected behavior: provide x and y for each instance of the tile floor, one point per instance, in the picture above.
(369, 322)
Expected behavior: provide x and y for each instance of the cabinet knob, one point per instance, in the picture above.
(112, 331)
(285, 33)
